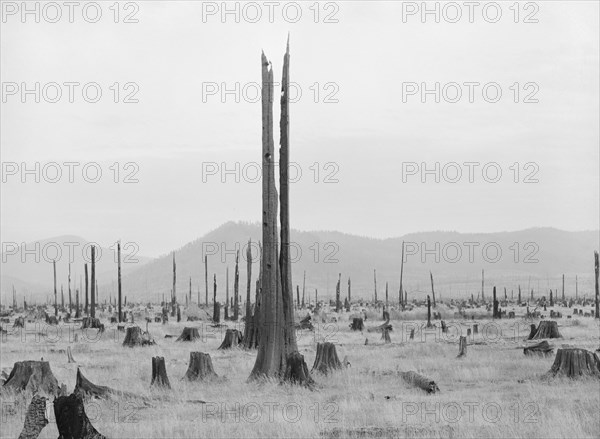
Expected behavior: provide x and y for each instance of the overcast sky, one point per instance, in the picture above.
(360, 144)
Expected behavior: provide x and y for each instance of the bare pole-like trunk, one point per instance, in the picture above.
(119, 292)
(338, 303)
(401, 302)
(269, 357)
(576, 288)
(93, 284)
(206, 278)
(482, 293)
(55, 292)
(236, 287)
(303, 287)
(62, 299)
(563, 287)
(596, 270)
(432, 289)
(77, 312)
(285, 264)
(349, 291)
(173, 291)
(69, 286)
(87, 298)
(386, 295)
(226, 310)
(519, 293)
(375, 284)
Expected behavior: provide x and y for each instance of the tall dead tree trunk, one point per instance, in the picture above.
(62, 299)
(119, 308)
(93, 284)
(563, 287)
(303, 288)
(400, 295)
(596, 270)
(495, 304)
(386, 296)
(248, 281)
(77, 309)
(55, 293)
(519, 294)
(206, 278)
(428, 312)
(216, 305)
(69, 287)
(226, 308)
(375, 285)
(173, 291)
(462, 346)
(87, 299)
(432, 289)
(298, 296)
(349, 291)
(277, 337)
(338, 303)
(236, 287)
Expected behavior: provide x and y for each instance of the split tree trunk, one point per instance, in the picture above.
(420, 381)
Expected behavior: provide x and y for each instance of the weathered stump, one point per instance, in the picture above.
(412, 334)
(296, 370)
(385, 335)
(420, 381)
(189, 334)
(468, 332)
(251, 332)
(34, 376)
(35, 418)
(91, 322)
(19, 322)
(232, 339)
(71, 420)
(546, 329)
(159, 373)
(70, 358)
(326, 359)
(85, 387)
(444, 327)
(542, 348)
(357, 324)
(462, 347)
(532, 331)
(200, 367)
(574, 363)
(135, 337)
(475, 329)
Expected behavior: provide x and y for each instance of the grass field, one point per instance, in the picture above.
(495, 391)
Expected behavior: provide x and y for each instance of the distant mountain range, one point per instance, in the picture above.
(534, 259)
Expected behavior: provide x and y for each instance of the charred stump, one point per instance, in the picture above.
(71, 420)
(542, 348)
(385, 335)
(574, 363)
(33, 376)
(200, 367)
(188, 334)
(420, 381)
(35, 418)
(296, 371)
(357, 324)
(326, 359)
(232, 339)
(159, 373)
(462, 347)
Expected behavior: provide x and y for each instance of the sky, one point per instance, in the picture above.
(179, 154)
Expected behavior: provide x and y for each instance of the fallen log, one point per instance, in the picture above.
(420, 381)
(542, 348)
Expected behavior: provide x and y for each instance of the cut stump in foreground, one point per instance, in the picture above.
(546, 329)
(189, 334)
(200, 367)
(33, 376)
(135, 337)
(326, 359)
(420, 381)
(575, 363)
(232, 339)
(71, 420)
(357, 324)
(296, 371)
(159, 373)
(35, 418)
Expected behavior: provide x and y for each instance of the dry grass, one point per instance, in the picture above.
(494, 392)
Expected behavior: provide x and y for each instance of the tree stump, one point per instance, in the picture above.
(385, 335)
(412, 334)
(444, 327)
(468, 332)
(35, 418)
(159, 373)
(532, 331)
(217, 312)
(71, 420)
(19, 322)
(33, 376)
(189, 334)
(574, 363)
(296, 370)
(546, 329)
(232, 339)
(251, 332)
(420, 381)
(357, 324)
(70, 358)
(305, 323)
(462, 347)
(135, 337)
(326, 359)
(475, 329)
(85, 387)
(91, 322)
(200, 367)
(542, 348)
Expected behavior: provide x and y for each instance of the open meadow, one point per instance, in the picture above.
(494, 392)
